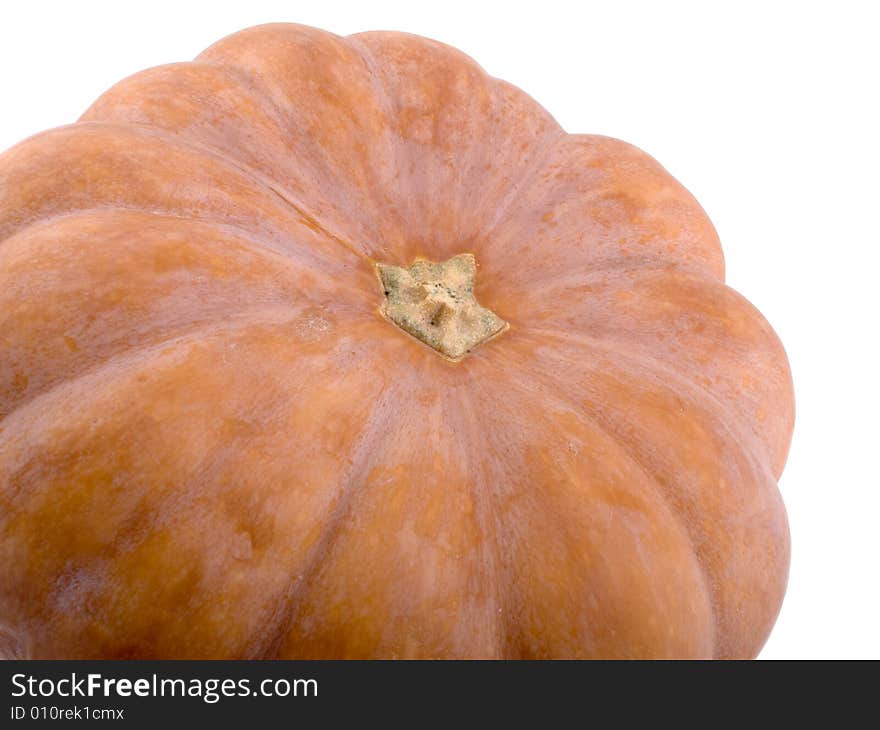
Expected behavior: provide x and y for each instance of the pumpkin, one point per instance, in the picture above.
(325, 347)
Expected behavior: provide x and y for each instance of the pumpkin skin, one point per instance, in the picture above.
(213, 444)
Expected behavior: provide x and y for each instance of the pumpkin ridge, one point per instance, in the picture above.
(618, 266)
(656, 487)
(725, 422)
(16, 453)
(381, 93)
(263, 86)
(486, 511)
(127, 238)
(598, 197)
(122, 357)
(727, 321)
(494, 188)
(259, 245)
(246, 80)
(271, 185)
(163, 137)
(525, 374)
(253, 88)
(527, 178)
(256, 176)
(286, 612)
(137, 131)
(668, 372)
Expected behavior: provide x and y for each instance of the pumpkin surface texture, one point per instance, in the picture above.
(338, 347)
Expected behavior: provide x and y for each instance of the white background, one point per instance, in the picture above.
(767, 112)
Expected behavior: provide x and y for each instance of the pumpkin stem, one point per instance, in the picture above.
(435, 303)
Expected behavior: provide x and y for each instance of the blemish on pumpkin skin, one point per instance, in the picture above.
(242, 546)
(71, 343)
(19, 382)
(237, 428)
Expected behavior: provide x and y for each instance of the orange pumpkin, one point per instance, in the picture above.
(339, 347)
